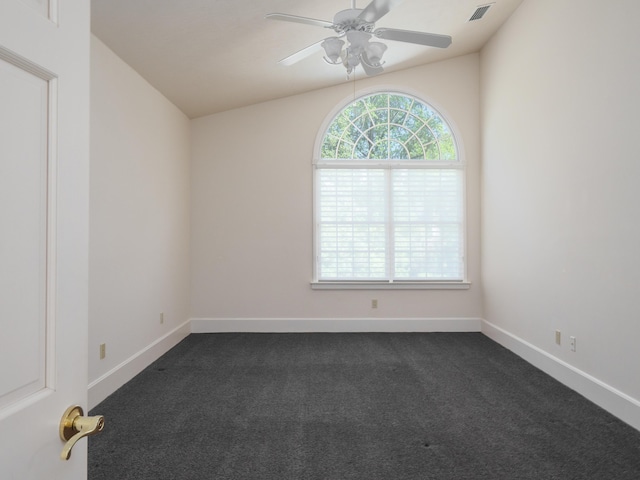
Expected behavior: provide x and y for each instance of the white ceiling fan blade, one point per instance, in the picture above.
(420, 38)
(377, 9)
(302, 54)
(285, 17)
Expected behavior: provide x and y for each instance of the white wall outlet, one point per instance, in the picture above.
(572, 343)
(103, 350)
(558, 337)
(374, 303)
(162, 317)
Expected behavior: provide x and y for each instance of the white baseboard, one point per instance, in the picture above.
(333, 325)
(108, 383)
(614, 401)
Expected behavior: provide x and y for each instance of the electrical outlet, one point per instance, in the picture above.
(558, 337)
(103, 350)
(572, 343)
(374, 303)
(162, 317)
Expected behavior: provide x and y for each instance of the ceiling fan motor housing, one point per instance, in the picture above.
(347, 21)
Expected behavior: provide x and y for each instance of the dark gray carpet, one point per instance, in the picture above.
(354, 406)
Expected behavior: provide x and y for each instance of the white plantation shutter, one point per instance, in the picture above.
(427, 224)
(389, 195)
(352, 224)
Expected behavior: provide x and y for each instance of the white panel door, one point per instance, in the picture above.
(44, 166)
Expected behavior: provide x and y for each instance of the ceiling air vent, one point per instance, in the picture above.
(480, 11)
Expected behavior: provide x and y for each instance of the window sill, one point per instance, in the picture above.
(355, 285)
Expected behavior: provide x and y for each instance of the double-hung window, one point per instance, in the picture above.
(389, 197)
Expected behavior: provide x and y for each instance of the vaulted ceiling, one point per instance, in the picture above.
(208, 56)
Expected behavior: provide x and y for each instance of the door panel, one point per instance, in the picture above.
(41, 6)
(24, 147)
(44, 165)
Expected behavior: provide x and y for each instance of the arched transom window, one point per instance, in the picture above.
(388, 126)
(388, 195)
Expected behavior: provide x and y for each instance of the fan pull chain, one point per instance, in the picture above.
(354, 87)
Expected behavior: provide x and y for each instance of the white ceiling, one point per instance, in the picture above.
(208, 56)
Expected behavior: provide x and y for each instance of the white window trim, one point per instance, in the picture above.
(319, 163)
(390, 285)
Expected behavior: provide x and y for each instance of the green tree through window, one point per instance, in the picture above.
(389, 126)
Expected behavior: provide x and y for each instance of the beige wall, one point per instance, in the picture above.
(252, 204)
(139, 217)
(560, 184)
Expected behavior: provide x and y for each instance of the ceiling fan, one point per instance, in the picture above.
(358, 26)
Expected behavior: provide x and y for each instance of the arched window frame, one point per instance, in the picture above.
(454, 164)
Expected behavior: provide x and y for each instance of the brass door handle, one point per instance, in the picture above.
(74, 426)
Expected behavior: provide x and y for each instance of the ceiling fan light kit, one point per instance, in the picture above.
(333, 48)
(359, 51)
(358, 26)
(374, 52)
